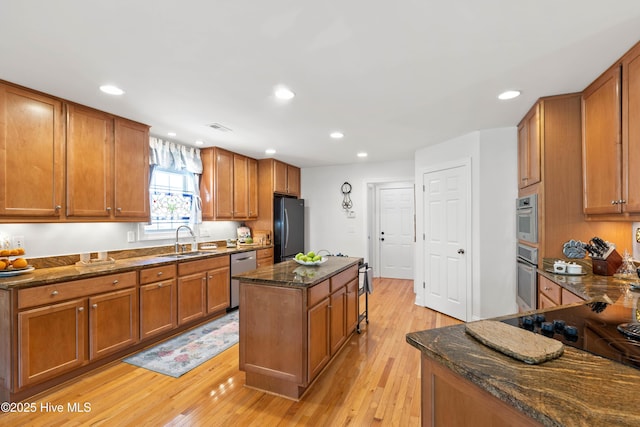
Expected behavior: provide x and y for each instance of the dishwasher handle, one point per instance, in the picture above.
(242, 259)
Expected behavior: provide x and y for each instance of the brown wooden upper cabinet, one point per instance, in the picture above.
(229, 185)
(529, 148)
(286, 179)
(105, 160)
(31, 155)
(611, 139)
(107, 166)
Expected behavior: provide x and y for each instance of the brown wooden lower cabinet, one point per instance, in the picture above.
(550, 294)
(218, 279)
(157, 308)
(191, 297)
(37, 362)
(113, 322)
(453, 401)
(289, 334)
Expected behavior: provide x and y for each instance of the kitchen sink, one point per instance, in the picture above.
(182, 255)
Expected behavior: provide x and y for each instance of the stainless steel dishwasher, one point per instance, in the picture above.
(240, 263)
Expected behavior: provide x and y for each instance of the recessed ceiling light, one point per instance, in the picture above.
(199, 142)
(284, 93)
(172, 134)
(509, 94)
(111, 90)
(270, 151)
(362, 154)
(336, 135)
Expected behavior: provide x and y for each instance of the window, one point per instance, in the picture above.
(172, 195)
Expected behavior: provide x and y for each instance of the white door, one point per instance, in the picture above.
(396, 232)
(447, 230)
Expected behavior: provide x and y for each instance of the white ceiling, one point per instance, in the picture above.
(394, 76)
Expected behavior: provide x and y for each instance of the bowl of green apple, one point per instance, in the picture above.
(310, 258)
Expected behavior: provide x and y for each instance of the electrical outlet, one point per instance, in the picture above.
(18, 241)
(131, 236)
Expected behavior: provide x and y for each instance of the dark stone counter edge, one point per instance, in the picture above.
(48, 276)
(479, 381)
(292, 284)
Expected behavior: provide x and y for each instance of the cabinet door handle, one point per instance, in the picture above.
(94, 306)
(54, 293)
(115, 282)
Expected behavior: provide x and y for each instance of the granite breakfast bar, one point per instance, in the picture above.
(465, 382)
(293, 320)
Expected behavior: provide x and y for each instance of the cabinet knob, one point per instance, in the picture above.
(159, 273)
(614, 202)
(80, 308)
(621, 201)
(94, 306)
(108, 209)
(58, 207)
(210, 277)
(119, 209)
(115, 282)
(54, 293)
(159, 285)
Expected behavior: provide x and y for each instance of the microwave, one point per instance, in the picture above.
(527, 218)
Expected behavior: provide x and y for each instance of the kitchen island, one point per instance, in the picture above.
(293, 320)
(466, 383)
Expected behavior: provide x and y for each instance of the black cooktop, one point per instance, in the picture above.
(596, 327)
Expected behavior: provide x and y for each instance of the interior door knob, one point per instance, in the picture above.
(460, 251)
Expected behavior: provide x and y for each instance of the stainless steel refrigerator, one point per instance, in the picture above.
(288, 227)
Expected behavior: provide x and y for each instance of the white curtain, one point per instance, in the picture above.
(171, 156)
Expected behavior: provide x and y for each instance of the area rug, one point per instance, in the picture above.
(181, 354)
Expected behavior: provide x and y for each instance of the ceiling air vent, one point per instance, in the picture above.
(219, 127)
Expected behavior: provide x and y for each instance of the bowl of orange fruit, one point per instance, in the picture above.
(15, 265)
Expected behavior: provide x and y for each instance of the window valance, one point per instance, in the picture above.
(172, 156)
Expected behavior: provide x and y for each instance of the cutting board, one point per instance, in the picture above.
(515, 342)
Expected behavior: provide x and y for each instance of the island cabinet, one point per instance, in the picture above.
(611, 141)
(32, 153)
(107, 166)
(83, 320)
(158, 300)
(229, 185)
(448, 399)
(289, 333)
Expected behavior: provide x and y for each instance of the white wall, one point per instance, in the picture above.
(326, 223)
(493, 158)
(43, 240)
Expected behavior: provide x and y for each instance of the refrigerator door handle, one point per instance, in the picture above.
(286, 228)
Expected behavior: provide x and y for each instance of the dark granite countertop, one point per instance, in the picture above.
(576, 389)
(291, 274)
(45, 276)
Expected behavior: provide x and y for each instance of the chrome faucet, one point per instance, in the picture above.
(177, 246)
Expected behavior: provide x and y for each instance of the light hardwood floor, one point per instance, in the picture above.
(375, 380)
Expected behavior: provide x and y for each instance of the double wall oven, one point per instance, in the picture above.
(527, 252)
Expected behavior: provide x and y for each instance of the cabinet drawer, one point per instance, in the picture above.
(344, 277)
(48, 294)
(550, 290)
(191, 267)
(569, 297)
(265, 253)
(155, 274)
(317, 293)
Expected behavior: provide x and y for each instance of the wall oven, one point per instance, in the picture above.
(527, 218)
(527, 277)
